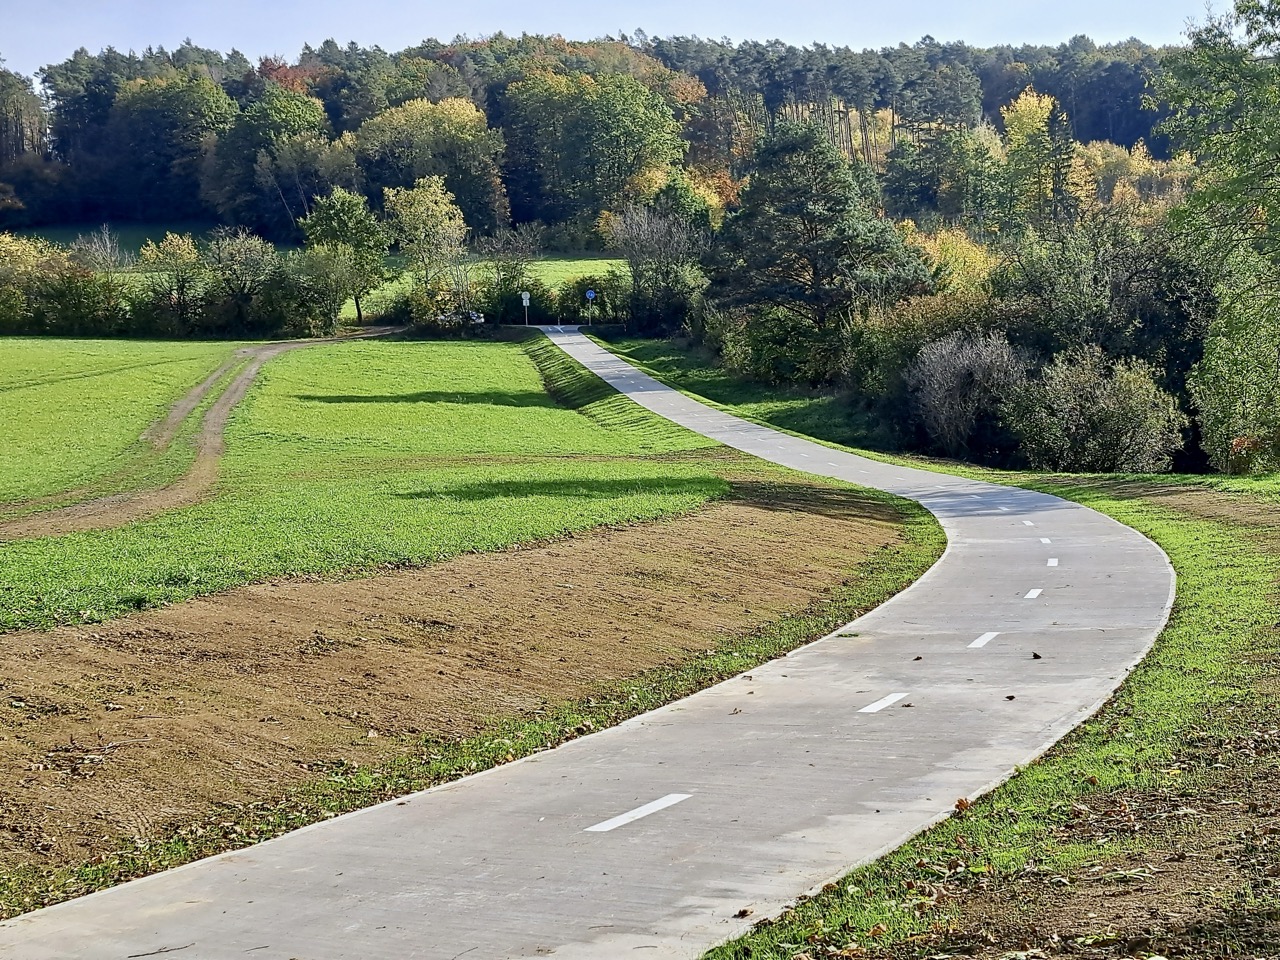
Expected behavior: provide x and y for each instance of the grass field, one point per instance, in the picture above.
(551, 270)
(554, 271)
(75, 409)
(354, 456)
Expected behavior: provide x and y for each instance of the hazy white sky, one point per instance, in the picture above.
(33, 34)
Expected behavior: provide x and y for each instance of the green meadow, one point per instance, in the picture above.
(74, 410)
(349, 457)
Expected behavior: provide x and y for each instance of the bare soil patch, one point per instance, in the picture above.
(133, 727)
(1195, 501)
(1204, 884)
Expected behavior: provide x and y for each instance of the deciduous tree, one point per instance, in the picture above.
(449, 139)
(343, 223)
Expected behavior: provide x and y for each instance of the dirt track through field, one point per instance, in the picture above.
(120, 509)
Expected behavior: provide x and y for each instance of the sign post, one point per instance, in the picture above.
(524, 297)
(591, 302)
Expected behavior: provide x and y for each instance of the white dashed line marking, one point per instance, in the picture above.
(1027, 523)
(1032, 594)
(1006, 509)
(883, 702)
(983, 640)
(1053, 561)
(1045, 540)
(671, 799)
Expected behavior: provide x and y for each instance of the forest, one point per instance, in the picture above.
(1061, 257)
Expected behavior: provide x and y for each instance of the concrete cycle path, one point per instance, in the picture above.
(649, 839)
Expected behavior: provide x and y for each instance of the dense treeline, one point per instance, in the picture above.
(537, 128)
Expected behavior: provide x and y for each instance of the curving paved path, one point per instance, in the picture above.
(650, 837)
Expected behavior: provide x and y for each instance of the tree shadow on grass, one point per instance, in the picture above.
(494, 398)
(600, 489)
(817, 499)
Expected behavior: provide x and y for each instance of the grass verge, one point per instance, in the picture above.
(424, 762)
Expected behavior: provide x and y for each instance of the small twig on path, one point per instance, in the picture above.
(156, 953)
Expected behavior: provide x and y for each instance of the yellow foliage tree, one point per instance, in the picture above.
(449, 139)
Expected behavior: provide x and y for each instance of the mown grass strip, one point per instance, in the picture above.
(427, 762)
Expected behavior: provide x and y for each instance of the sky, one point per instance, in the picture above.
(32, 34)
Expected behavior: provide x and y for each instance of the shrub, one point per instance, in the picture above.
(241, 269)
(778, 346)
(23, 260)
(1087, 413)
(170, 293)
(887, 342)
(505, 306)
(613, 297)
(70, 299)
(1237, 388)
(957, 385)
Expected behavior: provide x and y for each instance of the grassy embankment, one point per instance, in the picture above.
(1191, 730)
(354, 456)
